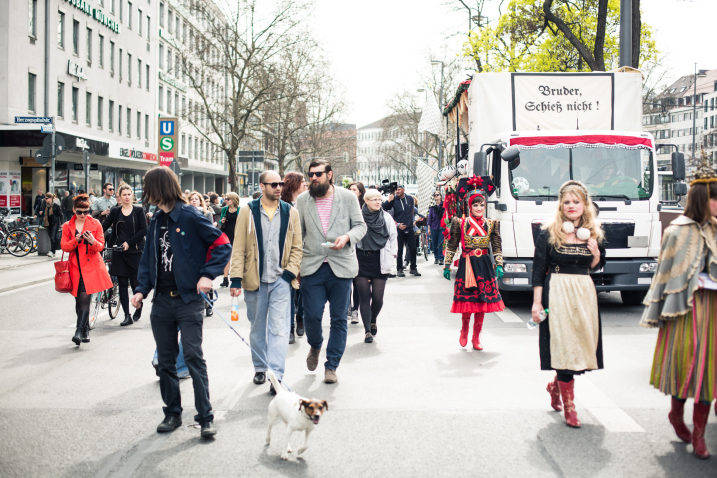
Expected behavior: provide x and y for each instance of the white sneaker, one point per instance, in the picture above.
(50, 254)
(354, 317)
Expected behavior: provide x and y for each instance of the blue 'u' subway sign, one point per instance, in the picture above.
(166, 127)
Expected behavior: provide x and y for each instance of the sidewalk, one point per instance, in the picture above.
(17, 272)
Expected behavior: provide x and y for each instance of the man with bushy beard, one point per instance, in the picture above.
(331, 224)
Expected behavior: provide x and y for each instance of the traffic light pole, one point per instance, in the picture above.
(52, 159)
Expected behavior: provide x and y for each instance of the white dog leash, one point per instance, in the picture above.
(210, 302)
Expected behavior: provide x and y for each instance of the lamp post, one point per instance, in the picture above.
(440, 106)
(701, 74)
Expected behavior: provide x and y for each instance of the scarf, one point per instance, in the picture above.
(376, 230)
(48, 213)
(476, 226)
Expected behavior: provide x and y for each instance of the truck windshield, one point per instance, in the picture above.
(609, 172)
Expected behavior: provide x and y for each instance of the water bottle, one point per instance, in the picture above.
(235, 309)
(543, 314)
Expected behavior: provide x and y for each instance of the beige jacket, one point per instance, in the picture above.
(245, 269)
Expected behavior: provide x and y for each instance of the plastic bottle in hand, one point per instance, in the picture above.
(543, 314)
(235, 309)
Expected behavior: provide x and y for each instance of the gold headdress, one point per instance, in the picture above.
(577, 184)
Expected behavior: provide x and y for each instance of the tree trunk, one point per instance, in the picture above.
(636, 30)
(599, 50)
(233, 172)
(596, 62)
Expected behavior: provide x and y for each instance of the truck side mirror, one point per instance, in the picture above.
(510, 154)
(678, 166)
(680, 189)
(514, 164)
(479, 163)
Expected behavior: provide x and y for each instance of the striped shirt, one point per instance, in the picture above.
(323, 207)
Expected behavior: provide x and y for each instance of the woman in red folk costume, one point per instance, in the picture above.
(476, 288)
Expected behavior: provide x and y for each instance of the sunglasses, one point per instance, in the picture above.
(318, 174)
(82, 212)
(275, 185)
(110, 189)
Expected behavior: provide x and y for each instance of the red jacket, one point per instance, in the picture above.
(94, 271)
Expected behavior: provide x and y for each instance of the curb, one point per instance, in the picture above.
(25, 284)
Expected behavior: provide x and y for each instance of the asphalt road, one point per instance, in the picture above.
(411, 404)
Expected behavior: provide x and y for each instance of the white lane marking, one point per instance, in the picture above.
(20, 289)
(507, 315)
(612, 417)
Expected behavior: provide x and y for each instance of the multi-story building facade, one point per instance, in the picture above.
(91, 65)
(180, 22)
(670, 118)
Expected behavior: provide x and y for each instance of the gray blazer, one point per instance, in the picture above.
(346, 218)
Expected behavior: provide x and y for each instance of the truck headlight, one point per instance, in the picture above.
(508, 280)
(515, 268)
(648, 267)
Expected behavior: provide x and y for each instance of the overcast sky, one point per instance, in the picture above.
(378, 46)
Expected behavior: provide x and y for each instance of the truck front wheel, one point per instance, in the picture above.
(632, 297)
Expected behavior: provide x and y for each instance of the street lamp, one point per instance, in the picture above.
(440, 107)
(701, 74)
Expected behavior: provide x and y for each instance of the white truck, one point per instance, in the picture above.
(534, 131)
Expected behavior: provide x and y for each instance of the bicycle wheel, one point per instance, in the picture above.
(95, 308)
(113, 301)
(33, 235)
(19, 243)
(424, 238)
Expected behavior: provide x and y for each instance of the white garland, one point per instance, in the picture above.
(582, 145)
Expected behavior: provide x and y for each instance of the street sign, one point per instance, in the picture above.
(33, 119)
(81, 167)
(42, 156)
(249, 156)
(59, 144)
(168, 151)
(46, 128)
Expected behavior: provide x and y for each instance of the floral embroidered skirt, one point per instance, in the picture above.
(685, 361)
(483, 298)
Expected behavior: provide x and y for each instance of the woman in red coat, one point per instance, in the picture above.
(83, 235)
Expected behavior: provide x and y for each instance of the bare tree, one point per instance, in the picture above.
(233, 64)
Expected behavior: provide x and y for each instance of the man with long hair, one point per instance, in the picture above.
(331, 224)
(184, 254)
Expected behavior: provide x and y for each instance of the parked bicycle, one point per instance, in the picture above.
(17, 242)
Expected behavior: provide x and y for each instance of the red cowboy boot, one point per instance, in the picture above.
(676, 417)
(567, 392)
(699, 419)
(477, 327)
(464, 330)
(554, 391)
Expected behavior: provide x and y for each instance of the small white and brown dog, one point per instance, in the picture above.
(299, 414)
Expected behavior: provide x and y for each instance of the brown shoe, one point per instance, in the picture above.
(312, 360)
(330, 376)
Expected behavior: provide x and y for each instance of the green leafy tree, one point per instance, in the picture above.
(558, 35)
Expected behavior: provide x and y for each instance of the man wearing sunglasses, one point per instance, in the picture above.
(266, 256)
(101, 207)
(331, 225)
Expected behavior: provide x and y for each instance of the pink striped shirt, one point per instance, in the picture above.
(323, 207)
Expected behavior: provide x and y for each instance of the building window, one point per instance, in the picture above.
(120, 64)
(176, 103)
(139, 73)
(100, 110)
(129, 15)
(31, 84)
(170, 22)
(76, 37)
(184, 33)
(112, 7)
(129, 69)
(176, 25)
(111, 111)
(148, 28)
(33, 18)
(89, 45)
(196, 148)
(112, 57)
(139, 22)
(161, 14)
(119, 119)
(184, 144)
(169, 101)
(88, 108)
(129, 122)
(146, 76)
(161, 98)
(139, 123)
(120, 11)
(61, 30)
(75, 98)
(190, 146)
(169, 60)
(101, 57)
(161, 55)
(60, 99)
(146, 127)
(184, 107)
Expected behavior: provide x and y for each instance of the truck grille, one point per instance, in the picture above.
(616, 233)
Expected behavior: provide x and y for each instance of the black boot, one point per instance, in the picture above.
(137, 314)
(127, 320)
(85, 333)
(292, 337)
(77, 338)
(300, 326)
(225, 282)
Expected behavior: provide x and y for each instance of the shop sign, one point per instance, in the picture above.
(76, 70)
(168, 128)
(171, 81)
(31, 163)
(136, 154)
(96, 13)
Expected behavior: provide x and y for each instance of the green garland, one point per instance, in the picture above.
(454, 102)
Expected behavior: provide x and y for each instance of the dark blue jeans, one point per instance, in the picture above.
(437, 243)
(169, 313)
(316, 289)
